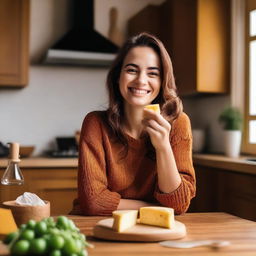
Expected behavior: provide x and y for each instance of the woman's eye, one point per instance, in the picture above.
(131, 70)
(153, 74)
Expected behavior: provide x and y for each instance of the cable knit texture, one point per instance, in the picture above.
(104, 178)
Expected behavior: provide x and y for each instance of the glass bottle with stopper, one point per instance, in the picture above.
(12, 174)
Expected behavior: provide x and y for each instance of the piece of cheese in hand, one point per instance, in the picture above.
(154, 107)
(124, 219)
(8, 224)
(157, 216)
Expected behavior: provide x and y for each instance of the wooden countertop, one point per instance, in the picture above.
(217, 161)
(43, 162)
(240, 164)
(239, 232)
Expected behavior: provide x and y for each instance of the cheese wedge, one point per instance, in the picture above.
(124, 219)
(154, 107)
(7, 223)
(157, 216)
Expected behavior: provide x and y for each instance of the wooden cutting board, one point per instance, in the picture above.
(139, 232)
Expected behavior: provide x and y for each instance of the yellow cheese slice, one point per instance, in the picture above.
(154, 107)
(157, 216)
(8, 224)
(124, 219)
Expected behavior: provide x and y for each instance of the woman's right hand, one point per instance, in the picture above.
(158, 129)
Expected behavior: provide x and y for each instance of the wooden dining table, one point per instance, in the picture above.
(239, 232)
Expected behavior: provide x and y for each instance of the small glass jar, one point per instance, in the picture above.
(12, 174)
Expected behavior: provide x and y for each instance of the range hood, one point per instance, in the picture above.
(82, 45)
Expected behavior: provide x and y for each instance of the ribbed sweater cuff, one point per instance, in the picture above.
(107, 202)
(179, 199)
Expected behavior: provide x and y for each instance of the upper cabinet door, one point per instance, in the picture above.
(196, 34)
(14, 43)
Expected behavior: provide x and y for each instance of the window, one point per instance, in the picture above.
(250, 78)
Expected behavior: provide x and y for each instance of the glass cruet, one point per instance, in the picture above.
(12, 174)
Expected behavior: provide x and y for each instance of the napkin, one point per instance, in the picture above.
(29, 199)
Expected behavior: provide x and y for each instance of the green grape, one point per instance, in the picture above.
(63, 222)
(31, 224)
(27, 234)
(21, 247)
(72, 225)
(50, 222)
(38, 246)
(55, 253)
(56, 242)
(40, 228)
(83, 253)
(66, 234)
(47, 238)
(70, 247)
(23, 226)
(54, 231)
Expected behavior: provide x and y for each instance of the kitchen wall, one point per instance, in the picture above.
(203, 112)
(58, 97)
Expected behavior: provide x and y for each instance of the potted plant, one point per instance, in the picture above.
(232, 119)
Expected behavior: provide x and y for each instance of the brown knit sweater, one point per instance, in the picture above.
(104, 178)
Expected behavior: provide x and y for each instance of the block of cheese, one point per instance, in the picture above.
(154, 107)
(157, 216)
(8, 224)
(124, 219)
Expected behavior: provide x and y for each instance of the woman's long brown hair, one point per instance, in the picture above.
(167, 98)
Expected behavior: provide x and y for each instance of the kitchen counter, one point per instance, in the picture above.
(240, 164)
(239, 232)
(43, 162)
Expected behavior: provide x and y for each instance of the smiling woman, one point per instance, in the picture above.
(130, 156)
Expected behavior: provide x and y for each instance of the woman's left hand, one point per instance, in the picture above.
(158, 129)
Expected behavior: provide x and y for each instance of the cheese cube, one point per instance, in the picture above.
(7, 223)
(124, 219)
(154, 107)
(157, 216)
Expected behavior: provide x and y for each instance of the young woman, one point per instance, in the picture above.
(129, 156)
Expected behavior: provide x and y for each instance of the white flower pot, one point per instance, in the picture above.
(232, 143)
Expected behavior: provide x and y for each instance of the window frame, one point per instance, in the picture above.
(248, 147)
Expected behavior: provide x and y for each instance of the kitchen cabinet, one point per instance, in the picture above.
(57, 185)
(197, 36)
(226, 191)
(14, 43)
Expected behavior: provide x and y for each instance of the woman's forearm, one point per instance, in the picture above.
(129, 204)
(168, 175)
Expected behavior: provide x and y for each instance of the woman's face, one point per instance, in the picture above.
(140, 81)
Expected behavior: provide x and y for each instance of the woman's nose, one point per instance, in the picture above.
(142, 78)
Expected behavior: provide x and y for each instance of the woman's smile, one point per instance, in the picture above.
(138, 91)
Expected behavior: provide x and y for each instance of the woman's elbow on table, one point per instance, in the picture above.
(90, 208)
(99, 206)
(181, 209)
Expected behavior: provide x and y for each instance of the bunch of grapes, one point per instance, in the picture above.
(47, 237)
